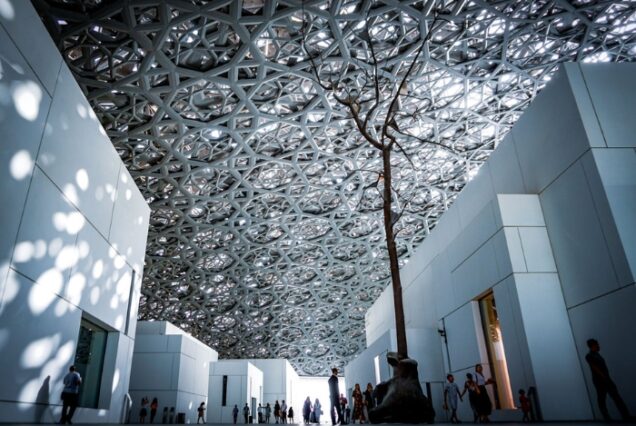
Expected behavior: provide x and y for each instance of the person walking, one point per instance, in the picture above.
(246, 413)
(334, 399)
(290, 415)
(358, 401)
(143, 412)
(235, 412)
(277, 412)
(344, 409)
(283, 412)
(306, 410)
(317, 411)
(154, 405)
(70, 394)
(603, 382)
(369, 400)
(473, 395)
(484, 405)
(261, 413)
(451, 393)
(268, 412)
(525, 405)
(201, 412)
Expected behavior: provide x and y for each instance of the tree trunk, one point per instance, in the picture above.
(398, 307)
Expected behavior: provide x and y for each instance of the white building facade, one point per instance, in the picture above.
(537, 255)
(74, 229)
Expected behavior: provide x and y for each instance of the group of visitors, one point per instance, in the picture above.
(143, 412)
(282, 413)
(311, 412)
(481, 405)
(340, 411)
(478, 397)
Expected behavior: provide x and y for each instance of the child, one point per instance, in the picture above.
(451, 392)
(525, 405)
(201, 411)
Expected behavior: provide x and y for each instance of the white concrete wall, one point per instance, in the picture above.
(172, 366)
(280, 382)
(244, 382)
(560, 262)
(73, 230)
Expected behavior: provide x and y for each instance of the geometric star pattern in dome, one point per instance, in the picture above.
(266, 236)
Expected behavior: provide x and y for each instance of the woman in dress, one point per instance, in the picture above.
(473, 395)
(306, 410)
(358, 402)
(369, 400)
(317, 410)
(484, 405)
(277, 411)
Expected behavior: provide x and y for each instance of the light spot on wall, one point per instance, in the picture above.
(67, 258)
(98, 269)
(26, 97)
(37, 352)
(119, 262)
(71, 193)
(94, 297)
(43, 293)
(81, 110)
(75, 287)
(55, 246)
(115, 379)
(75, 222)
(23, 252)
(21, 165)
(84, 249)
(128, 194)
(81, 178)
(6, 10)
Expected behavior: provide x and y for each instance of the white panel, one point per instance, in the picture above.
(152, 371)
(100, 282)
(477, 274)
(129, 227)
(555, 363)
(21, 125)
(617, 168)
(513, 257)
(443, 300)
(475, 196)
(606, 218)
(584, 104)
(536, 249)
(31, 37)
(577, 240)
(148, 343)
(38, 336)
(520, 210)
(608, 319)
(551, 119)
(612, 91)
(461, 334)
(473, 235)
(45, 248)
(504, 168)
(77, 155)
(416, 297)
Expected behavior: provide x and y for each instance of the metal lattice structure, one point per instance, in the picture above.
(266, 236)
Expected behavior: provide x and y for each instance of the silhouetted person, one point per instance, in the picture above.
(246, 413)
(201, 413)
(70, 395)
(525, 405)
(153, 409)
(603, 382)
(235, 411)
(334, 396)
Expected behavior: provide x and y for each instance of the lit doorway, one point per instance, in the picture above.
(496, 354)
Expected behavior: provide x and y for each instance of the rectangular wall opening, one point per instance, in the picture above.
(496, 354)
(89, 361)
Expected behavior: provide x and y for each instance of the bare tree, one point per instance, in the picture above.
(373, 87)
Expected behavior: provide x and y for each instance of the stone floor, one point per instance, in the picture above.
(466, 423)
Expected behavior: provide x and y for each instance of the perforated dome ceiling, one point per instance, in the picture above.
(266, 233)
